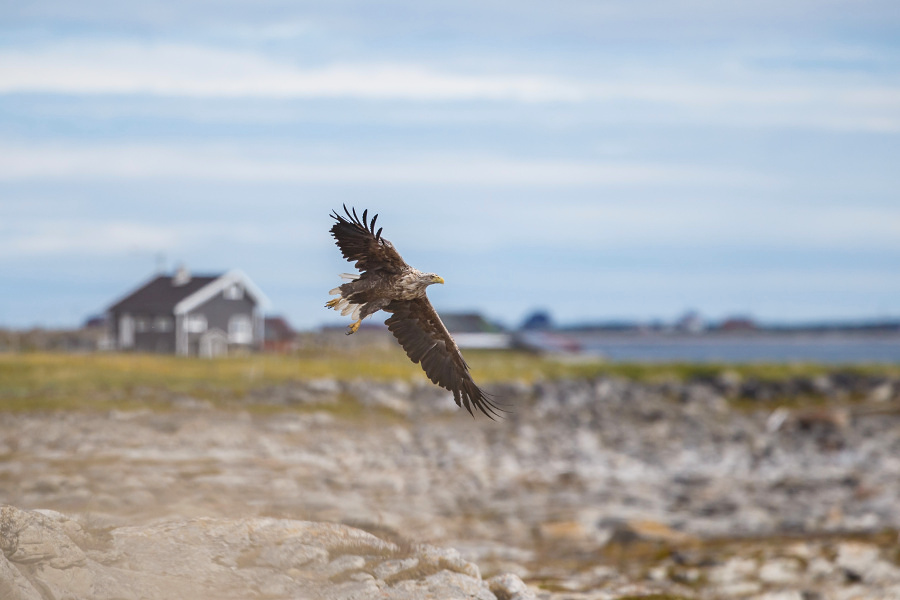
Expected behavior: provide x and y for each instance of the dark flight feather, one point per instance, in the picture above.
(359, 244)
(416, 324)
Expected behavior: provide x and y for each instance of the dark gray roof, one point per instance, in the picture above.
(159, 295)
(468, 323)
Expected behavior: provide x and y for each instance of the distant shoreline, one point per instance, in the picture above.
(827, 347)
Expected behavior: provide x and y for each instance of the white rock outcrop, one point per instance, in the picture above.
(47, 555)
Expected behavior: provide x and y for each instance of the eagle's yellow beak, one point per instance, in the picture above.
(437, 279)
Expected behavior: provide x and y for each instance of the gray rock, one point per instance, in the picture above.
(340, 566)
(324, 386)
(37, 545)
(447, 558)
(735, 570)
(390, 569)
(864, 562)
(782, 595)
(290, 554)
(226, 558)
(883, 392)
(446, 585)
(14, 585)
(551, 480)
(509, 587)
(780, 571)
(394, 396)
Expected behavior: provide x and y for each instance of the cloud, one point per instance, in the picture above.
(223, 163)
(168, 69)
(48, 237)
(768, 225)
(732, 90)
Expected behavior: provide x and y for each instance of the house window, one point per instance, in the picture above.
(240, 329)
(126, 331)
(195, 323)
(142, 324)
(234, 292)
(162, 324)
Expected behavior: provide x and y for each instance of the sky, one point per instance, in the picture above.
(597, 159)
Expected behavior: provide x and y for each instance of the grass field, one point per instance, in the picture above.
(38, 381)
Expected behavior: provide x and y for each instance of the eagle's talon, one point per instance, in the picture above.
(354, 327)
(333, 302)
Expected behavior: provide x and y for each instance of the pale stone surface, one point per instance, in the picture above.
(780, 571)
(781, 595)
(224, 558)
(583, 476)
(733, 570)
(510, 587)
(14, 585)
(390, 569)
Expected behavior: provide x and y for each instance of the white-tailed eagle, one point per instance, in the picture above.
(387, 283)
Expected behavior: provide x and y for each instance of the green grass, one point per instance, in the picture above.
(501, 366)
(46, 381)
(50, 381)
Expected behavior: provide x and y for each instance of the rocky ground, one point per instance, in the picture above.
(606, 488)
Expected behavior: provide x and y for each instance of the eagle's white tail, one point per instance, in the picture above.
(342, 304)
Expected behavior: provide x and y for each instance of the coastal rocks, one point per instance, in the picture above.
(819, 569)
(589, 488)
(834, 386)
(698, 392)
(48, 555)
(864, 563)
(510, 587)
(315, 392)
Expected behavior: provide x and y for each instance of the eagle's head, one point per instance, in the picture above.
(416, 282)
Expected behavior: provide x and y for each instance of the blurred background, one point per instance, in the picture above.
(670, 234)
(599, 161)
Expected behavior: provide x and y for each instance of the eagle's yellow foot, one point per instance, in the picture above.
(353, 327)
(332, 303)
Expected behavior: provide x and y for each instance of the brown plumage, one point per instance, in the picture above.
(386, 282)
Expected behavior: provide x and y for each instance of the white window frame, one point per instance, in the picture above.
(240, 329)
(126, 331)
(195, 323)
(233, 292)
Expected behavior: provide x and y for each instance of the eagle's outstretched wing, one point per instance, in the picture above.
(359, 241)
(419, 329)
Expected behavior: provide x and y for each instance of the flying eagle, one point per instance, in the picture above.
(387, 283)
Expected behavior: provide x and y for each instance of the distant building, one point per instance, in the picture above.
(95, 322)
(539, 320)
(690, 322)
(279, 336)
(471, 330)
(738, 324)
(205, 315)
(547, 341)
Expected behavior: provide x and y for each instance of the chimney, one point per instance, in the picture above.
(182, 276)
